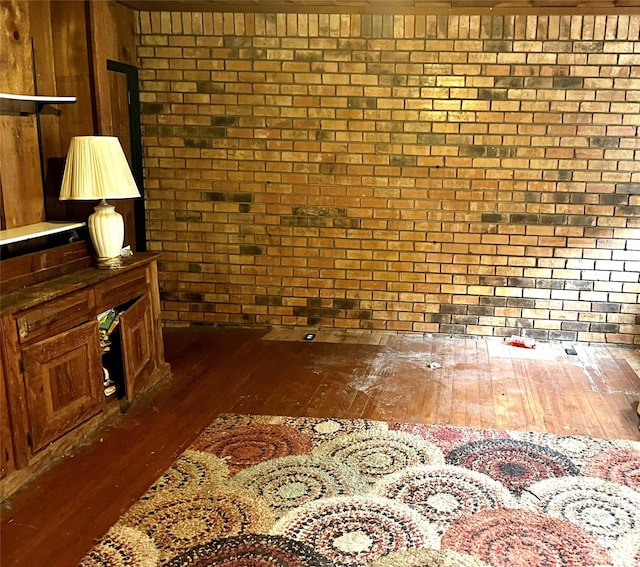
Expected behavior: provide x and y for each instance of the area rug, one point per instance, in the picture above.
(260, 491)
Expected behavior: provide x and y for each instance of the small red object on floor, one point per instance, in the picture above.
(524, 342)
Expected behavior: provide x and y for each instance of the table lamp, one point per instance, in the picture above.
(97, 168)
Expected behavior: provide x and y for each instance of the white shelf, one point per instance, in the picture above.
(39, 99)
(30, 231)
(24, 105)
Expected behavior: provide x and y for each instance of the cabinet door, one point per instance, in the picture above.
(63, 377)
(138, 340)
(7, 461)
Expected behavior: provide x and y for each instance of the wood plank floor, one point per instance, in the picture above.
(481, 383)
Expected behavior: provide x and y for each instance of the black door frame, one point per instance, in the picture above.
(135, 133)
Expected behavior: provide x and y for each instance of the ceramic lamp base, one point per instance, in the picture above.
(108, 263)
(106, 229)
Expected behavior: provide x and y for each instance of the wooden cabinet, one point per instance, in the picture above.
(53, 360)
(137, 346)
(62, 377)
(7, 463)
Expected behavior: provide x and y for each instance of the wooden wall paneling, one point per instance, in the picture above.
(73, 69)
(128, 129)
(103, 38)
(53, 152)
(120, 110)
(119, 124)
(69, 55)
(125, 20)
(73, 76)
(113, 38)
(45, 74)
(20, 177)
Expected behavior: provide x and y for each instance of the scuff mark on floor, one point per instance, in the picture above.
(364, 382)
(593, 374)
(597, 379)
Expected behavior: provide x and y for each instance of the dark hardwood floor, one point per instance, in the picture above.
(481, 383)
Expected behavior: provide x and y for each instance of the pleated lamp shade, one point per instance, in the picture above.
(97, 168)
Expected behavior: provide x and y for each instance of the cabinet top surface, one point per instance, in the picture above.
(46, 291)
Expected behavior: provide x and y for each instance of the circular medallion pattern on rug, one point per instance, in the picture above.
(321, 430)
(606, 510)
(377, 454)
(626, 551)
(351, 531)
(251, 551)
(123, 547)
(448, 437)
(428, 558)
(289, 482)
(516, 464)
(443, 494)
(578, 448)
(229, 421)
(519, 538)
(248, 445)
(191, 470)
(617, 465)
(178, 520)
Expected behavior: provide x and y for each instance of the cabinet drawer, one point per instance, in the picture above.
(120, 289)
(53, 316)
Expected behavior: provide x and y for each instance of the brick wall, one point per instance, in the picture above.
(459, 174)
